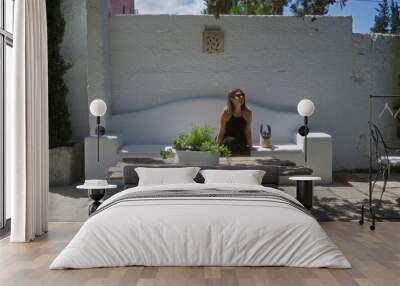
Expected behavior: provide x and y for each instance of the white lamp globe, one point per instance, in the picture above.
(98, 107)
(305, 107)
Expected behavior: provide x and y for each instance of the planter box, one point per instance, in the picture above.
(196, 158)
(66, 165)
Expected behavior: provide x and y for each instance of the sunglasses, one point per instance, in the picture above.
(238, 95)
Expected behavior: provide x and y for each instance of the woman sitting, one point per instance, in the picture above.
(235, 124)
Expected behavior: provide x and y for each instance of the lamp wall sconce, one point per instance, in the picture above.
(305, 108)
(98, 108)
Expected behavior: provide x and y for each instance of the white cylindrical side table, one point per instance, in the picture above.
(96, 191)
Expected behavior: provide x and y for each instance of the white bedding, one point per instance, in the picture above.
(200, 231)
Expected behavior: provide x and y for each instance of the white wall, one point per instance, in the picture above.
(142, 61)
(98, 70)
(275, 60)
(375, 71)
(74, 50)
(163, 123)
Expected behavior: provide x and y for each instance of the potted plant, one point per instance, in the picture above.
(66, 159)
(197, 148)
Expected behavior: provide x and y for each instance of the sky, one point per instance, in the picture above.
(363, 11)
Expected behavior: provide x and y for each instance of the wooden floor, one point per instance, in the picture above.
(375, 257)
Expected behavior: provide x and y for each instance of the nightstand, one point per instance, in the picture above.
(96, 191)
(305, 189)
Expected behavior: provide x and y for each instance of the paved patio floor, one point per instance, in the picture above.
(340, 201)
(343, 199)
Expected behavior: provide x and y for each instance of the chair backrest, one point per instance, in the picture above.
(379, 147)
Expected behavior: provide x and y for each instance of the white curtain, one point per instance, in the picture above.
(27, 124)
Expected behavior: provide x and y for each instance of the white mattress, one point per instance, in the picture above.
(200, 231)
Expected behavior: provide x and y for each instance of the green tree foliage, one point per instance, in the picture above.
(217, 7)
(394, 18)
(382, 19)
(254, 7)
(277, 6)
(313, 7)
(269, 7)
(245, 7)
(59, 123)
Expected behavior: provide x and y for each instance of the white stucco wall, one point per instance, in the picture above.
(136, 62)
(375, 71)
(98, 69)
(74, 50)
(276, 60)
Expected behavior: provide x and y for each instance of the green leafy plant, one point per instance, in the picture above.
(59, 121)
(197, 139)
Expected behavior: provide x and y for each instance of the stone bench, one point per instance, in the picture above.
(112, 151)
(286, 168)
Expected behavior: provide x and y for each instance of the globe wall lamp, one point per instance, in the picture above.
(305, 108)
(98, 108)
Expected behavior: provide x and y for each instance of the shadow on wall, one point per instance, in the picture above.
(166, 121)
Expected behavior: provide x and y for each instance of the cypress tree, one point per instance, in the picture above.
(59, 123)
(394, 18)
(382, 19)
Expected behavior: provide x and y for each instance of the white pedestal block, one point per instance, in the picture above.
(109, 147)
(319, 155)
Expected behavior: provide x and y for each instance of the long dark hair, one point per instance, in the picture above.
(229, 105)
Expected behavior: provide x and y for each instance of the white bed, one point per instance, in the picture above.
(206, 230)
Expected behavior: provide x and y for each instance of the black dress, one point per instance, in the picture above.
(235, 135)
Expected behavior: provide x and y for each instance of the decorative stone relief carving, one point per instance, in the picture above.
(213, 42)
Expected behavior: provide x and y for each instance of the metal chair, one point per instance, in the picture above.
(382, 161)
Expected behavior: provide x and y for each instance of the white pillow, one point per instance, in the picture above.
(165, 176)
(248, 177)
